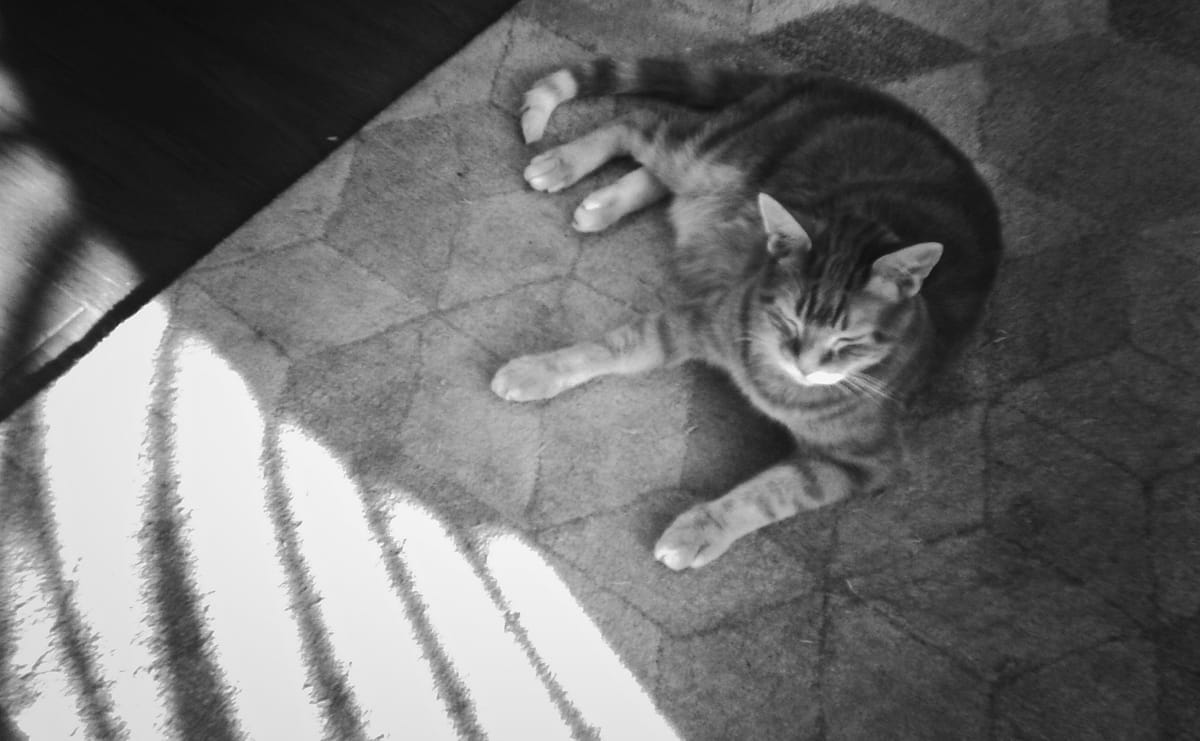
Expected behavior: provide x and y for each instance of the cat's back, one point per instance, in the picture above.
(822, 139)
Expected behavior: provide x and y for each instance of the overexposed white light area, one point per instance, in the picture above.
(590, 673)
(217, 444)
(509, 698)
(43, 702)
(98, 472)
(367, 623)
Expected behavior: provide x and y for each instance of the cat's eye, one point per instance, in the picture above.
(843, 344)
(840, 351)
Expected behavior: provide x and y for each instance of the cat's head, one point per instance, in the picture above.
(835, 303)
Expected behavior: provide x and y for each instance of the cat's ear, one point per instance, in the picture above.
(784, 233)
(900, 274)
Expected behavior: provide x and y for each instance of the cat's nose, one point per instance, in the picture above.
(807, 364)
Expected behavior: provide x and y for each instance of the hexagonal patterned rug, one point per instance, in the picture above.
(281, 502)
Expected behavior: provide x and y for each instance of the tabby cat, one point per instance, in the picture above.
(832, 248)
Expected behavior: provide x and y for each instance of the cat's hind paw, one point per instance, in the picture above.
(635, 190)
(527, 378)
(693, 540)
(549, 172)
(553, 170)
(598, 211)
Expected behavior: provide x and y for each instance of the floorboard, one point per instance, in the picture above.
(174, 123)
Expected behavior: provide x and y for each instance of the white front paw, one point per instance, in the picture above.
(527, 378)
(693, 540)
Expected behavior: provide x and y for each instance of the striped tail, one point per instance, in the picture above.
(670, 79)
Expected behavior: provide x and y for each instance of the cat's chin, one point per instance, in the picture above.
(816, 378)
(824, 378)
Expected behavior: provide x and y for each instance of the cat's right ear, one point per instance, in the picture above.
(784, 233)
(900, 274)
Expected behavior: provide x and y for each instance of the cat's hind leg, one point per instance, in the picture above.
(631, 134)
(563, 166)
(604, 207)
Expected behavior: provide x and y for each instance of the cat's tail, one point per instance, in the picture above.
(669, 79)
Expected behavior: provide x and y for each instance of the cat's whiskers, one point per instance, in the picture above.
(854, 385)
(870, 385)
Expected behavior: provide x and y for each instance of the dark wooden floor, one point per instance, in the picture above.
(175, 122)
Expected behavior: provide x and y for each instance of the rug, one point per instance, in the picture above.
(281, 502)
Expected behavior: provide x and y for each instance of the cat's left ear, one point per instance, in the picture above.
(784, 233)
(900, 274)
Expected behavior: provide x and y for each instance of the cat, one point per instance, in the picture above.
(832, 248)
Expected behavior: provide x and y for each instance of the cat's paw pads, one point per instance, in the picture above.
(549, 172)
(598, 211)
(527, 378)
(695, 539)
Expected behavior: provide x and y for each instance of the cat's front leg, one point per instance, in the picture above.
(704, 532)
(546, 375)
(646, 343)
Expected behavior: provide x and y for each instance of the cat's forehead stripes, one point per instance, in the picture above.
(823, 302)
(837, 265)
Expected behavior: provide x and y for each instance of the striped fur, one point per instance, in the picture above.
(833, 247)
